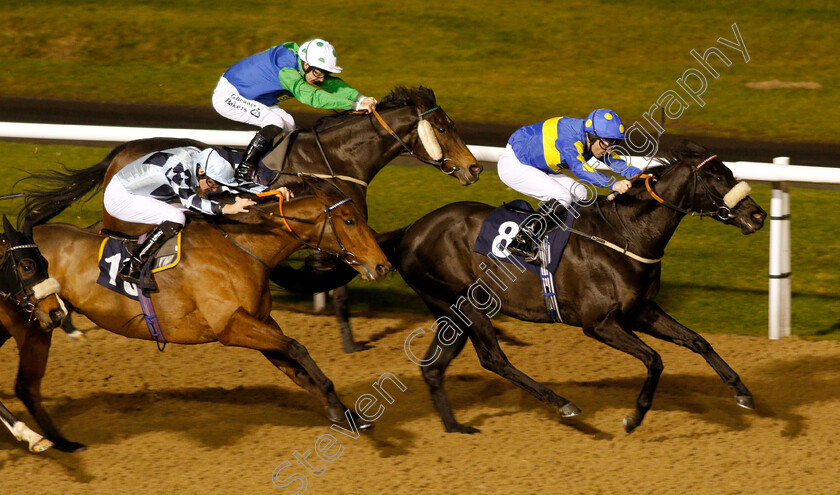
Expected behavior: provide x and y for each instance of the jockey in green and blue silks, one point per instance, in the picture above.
(249, 91)
(536, 155)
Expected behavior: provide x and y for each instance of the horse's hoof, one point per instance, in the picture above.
(360, 423)
(72, 447)
(40, 446)
(745, 401)
(336, 415)
(459, 428)
(356, 347)
(631, 422)
(569, 410)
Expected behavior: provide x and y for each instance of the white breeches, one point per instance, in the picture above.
(123, 205)
(230, 104)
(538, 184)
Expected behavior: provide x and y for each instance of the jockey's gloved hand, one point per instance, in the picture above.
(239, 206)
(368, 104)
(621, 186)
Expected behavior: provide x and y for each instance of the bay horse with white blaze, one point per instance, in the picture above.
(347, 150)
(608, 293)
(29, 309)
(219, 290)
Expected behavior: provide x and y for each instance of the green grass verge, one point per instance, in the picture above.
(498, 61)
(714, 278)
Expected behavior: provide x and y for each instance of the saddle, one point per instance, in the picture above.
(515, 207)
(266, 173)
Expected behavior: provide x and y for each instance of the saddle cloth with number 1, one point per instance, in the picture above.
(112, 253)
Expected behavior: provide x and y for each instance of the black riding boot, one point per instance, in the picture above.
(521, 244)
(553, 215)
(255, 151)
(130, 270)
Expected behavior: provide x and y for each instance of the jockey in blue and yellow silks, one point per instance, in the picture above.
(536, 155)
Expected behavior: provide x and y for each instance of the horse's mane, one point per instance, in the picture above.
(668, 159)
(687, 150)
(398, 97)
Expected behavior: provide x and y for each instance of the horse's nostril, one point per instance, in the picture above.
(382, 269)
(476, 169)
(56, 315)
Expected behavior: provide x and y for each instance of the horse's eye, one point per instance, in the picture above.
(441, 130)
(27, 268)
(718, 179)
(349, 222)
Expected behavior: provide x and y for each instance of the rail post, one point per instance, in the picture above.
(779, 275)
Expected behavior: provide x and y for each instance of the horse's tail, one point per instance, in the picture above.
(389, 242)
(56, 190)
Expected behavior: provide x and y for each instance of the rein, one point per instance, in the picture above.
(722, 213)
(333, 175)
(407, 148)
(346, 255)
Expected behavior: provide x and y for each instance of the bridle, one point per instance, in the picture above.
(439, 164)
(332, 175)
(22, 296)
(346, 255)
(723, 212)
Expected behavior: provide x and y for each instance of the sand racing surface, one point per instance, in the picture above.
(208, 419)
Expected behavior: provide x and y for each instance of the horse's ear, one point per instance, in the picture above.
(8, 229)
(27, 227)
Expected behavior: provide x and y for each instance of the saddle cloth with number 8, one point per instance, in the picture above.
(502, 224)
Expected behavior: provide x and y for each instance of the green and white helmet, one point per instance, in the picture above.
(319, 53)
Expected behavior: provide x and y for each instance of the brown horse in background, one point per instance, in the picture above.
(606, 292)
(347, 150)
(29, 309)
(219, 290)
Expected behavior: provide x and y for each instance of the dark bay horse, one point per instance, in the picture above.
(349, 148)
(604, 291)
(219, 290)
(30, 302)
